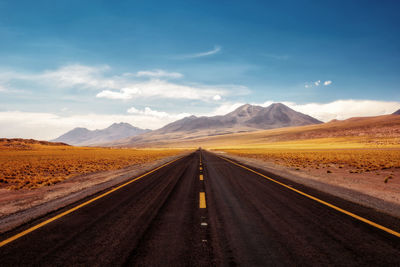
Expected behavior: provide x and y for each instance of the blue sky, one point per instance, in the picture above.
(65, 64)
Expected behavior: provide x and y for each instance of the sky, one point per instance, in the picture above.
(67, 64)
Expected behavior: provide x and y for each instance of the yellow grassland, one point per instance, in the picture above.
(352, 154)
(37, 165)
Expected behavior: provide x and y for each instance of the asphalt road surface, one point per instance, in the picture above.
(202, 210)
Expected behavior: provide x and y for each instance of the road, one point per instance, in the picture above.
(202, 210)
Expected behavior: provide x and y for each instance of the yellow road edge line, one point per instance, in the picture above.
(201, 177)
(33, 228)
(202, 203)
(381, 227)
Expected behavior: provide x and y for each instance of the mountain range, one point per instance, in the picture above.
(246, 118)
(85, 137)
(397, 112)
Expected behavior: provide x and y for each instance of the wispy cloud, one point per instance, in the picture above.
(317, 83)
(9, 90)
(74, 75)
(159, 74)
(124, 86)
(216, 50)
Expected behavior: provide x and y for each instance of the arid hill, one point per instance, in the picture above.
(24, 144)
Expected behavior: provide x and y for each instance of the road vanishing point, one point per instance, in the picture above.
(206, 210)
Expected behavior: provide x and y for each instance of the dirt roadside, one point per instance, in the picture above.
(363, 192)
(22, 206)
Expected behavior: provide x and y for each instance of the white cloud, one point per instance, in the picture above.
(163, 89)
(317, 84)
(159, 74)
(158, 114)
(216, 49)
(217, 97)
(124, 93)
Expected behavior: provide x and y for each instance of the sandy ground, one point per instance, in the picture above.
(367, 189)
(19, 207)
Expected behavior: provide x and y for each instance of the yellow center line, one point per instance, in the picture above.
(381, 227)
(33, 228)
(201, 177)
(202, 200)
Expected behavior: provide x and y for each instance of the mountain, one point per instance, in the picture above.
(397, 112)
(246, 118)
(274, 116)
(85, 137)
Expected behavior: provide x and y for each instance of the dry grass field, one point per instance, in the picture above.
(384, 162)
(32, 164)
(369, 145)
